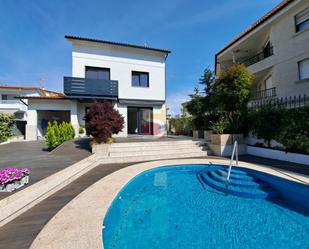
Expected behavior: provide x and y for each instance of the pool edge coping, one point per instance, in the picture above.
(63, 230)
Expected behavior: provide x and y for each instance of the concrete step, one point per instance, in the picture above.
(152, 157)
(155, 147)
(157, 151)
(156, 143)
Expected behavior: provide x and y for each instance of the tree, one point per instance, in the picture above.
(232, 89)
(102, 121)
(201, 105)
(231, 96)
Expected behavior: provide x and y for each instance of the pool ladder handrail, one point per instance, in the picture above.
(234, 153)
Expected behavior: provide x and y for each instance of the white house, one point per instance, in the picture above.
(10, 104)
(131, 76)
(276, 50)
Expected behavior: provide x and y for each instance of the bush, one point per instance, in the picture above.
(266, 123)
(219, 126)
(57, 134)
(290, 127)
(181, 126)
(102, 121)
(294, 134)
(81, 130)
(6, 123)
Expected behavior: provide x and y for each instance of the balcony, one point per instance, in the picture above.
(258, 57)
(83, 88)
(264, 94)
(13, 105)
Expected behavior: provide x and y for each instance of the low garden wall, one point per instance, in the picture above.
(278, 155)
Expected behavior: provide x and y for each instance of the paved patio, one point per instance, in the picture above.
(42, 163)
(21, 232)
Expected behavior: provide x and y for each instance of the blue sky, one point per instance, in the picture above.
(32, 47)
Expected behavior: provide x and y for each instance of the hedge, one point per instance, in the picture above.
(290, 127)
(6, 123)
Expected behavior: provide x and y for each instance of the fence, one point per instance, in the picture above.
(286, 102)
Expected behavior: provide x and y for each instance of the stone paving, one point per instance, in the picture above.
(42, 163)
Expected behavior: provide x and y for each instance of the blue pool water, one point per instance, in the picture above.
(175, 207)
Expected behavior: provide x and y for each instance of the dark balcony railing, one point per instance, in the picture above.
(90, 88)
(264, 94)
(258, 57)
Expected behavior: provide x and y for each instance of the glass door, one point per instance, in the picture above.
(140, 121)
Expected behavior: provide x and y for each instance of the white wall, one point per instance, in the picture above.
(122, 61)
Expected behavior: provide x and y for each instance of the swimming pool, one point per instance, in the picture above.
(176, 207)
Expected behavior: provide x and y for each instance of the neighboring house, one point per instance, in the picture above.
(184, 110)
(131, 76)
(12, 105)
(276, 50)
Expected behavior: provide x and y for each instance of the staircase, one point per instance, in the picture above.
(241, 183)
(155, 150)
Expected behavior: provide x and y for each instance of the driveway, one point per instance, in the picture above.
(42, 163)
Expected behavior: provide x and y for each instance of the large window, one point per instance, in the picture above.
(303, 68)
(140, 79)
(302, 20)
(98, 73)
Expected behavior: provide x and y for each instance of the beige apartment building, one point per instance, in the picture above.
(276, 50)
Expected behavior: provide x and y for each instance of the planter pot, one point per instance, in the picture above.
(14, 185)
(100, 149)
(207, 135)
(222, 144)
(9, 187)
(279, 155)
(198, 134)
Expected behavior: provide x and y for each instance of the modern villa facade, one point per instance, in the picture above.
(131, 76)
(276, 50)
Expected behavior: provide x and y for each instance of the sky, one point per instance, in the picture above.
(33, 50)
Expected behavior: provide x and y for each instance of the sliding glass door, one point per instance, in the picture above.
(140, 120)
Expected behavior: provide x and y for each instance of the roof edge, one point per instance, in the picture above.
(257, 23)
(71, 37)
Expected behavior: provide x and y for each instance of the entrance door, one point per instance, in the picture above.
(140, 120)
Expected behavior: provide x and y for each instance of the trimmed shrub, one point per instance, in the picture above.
(6, 123)
(102, 121)
(81, 130)
(57, 134)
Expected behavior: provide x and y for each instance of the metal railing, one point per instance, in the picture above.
(234, 153)
(258, 57)
(90, 88)
(264, 94)
(284, 102)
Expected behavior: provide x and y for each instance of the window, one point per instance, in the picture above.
(4, 97)
(98, 73)
(140, 79)
(302, 20)
(303, 68)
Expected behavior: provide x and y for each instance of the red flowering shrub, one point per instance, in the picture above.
(102, 121)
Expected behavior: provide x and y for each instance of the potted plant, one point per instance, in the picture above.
(81, 131)
(102, 121)
(13, 178)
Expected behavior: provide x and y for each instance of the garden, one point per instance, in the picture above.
(221, 109)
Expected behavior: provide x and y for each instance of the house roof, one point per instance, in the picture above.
(44, 94)
(256, 24)
(70, 37)
(19, 87)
